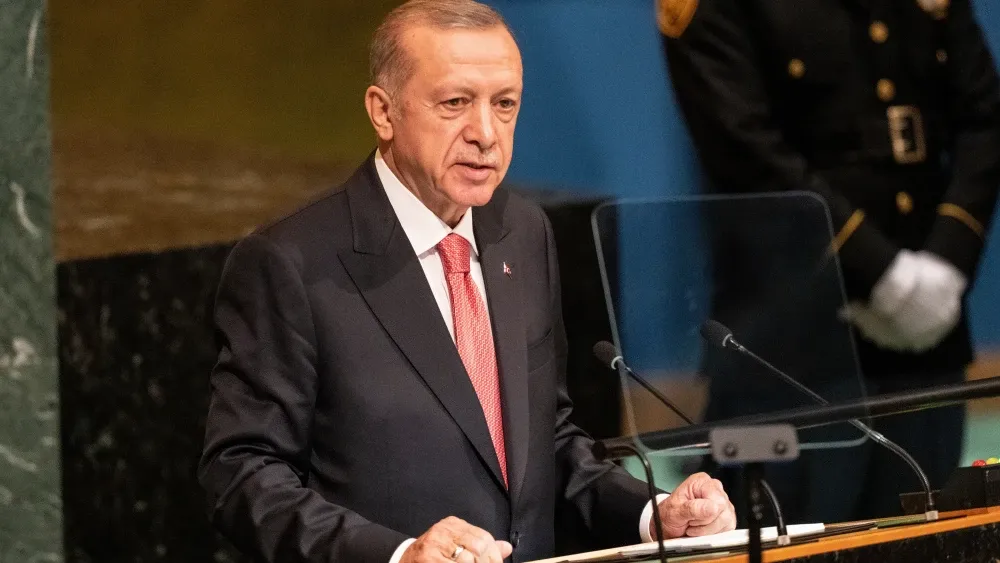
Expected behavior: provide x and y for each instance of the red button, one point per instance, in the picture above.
(979, 463)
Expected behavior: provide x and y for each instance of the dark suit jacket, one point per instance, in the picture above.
(342, 420)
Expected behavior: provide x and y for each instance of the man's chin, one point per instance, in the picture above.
(475, 195)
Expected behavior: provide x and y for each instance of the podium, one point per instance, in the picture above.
(971, 536)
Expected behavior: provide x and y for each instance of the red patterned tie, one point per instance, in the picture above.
(473, 337)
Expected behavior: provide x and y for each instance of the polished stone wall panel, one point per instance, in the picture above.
(30, 505)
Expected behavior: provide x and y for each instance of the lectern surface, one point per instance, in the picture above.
(968, 536)
(971, 537)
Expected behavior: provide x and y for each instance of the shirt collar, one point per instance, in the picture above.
(423, 228)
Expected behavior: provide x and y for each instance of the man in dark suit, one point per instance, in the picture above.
(890, 111)
(390, 380)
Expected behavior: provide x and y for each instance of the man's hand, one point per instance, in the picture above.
(698, 507)
(453, 535)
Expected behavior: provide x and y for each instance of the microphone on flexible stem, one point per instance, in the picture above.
(718, 334)
(608, 354)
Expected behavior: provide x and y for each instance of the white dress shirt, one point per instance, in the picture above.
(425, 230)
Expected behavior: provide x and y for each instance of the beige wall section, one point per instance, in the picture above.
(190, 122)
(288, 75)
(988, 365)
(690, 393)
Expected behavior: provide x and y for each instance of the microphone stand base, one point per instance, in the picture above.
(966, 488)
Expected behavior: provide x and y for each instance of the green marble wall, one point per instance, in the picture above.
(30, 505)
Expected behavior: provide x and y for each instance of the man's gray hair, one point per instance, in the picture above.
(388, 63)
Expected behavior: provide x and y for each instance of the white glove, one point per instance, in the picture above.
(874, 327)
(892, 289)
(897, 284)
(921, 297)
(935, 306)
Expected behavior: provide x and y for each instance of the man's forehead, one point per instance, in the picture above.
(488, 47)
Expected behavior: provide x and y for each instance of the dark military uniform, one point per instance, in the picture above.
(889, 110)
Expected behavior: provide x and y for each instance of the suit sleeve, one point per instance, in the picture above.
(715, 70)
(966, 211)
(257, 446)
(603, 497)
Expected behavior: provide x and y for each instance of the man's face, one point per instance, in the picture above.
(452, 133)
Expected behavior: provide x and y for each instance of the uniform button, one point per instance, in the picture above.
(878, 31)
(942, 56)
(904, 203)
(886, 90)
(515, 539)
(796, 68)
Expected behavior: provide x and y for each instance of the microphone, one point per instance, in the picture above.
(609, 355)
(719, 335)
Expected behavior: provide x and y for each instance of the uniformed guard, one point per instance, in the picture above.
(890, 111)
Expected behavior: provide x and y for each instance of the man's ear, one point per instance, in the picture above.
(379, 106)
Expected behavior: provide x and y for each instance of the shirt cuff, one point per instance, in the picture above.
(398, 554)
(647, 516)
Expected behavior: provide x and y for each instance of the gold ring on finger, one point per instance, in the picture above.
(458, 551)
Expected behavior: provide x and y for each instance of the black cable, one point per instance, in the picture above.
(776, 508)
(651, 490)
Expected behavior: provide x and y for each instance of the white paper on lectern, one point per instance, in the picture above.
(734, 538)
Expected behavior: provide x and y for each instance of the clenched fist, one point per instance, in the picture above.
(698, 507)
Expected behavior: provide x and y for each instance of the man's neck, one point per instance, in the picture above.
(445, 210)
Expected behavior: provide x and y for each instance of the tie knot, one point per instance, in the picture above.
(454, 250)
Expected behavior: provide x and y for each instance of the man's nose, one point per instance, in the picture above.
(480, 129)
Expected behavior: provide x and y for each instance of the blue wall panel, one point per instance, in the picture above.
(599, 118)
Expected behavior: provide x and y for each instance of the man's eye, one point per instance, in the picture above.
(507, 103)
(455, 102)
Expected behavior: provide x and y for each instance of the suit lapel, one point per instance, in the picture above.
(392, 282)
(495, 252)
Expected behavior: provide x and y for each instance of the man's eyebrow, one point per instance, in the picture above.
(509, 90)
(452, 88)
